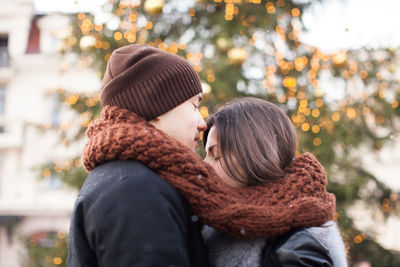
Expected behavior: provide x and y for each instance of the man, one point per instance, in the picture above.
(143, 221)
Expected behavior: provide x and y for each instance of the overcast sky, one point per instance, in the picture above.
(332, 25)
(337, 24)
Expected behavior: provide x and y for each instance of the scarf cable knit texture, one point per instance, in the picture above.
(297, 201)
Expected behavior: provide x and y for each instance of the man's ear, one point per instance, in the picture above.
(156, 119)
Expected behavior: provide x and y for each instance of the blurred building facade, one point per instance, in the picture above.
(30, 68)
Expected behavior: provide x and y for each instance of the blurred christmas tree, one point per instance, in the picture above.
(252, 47)
(46, 249)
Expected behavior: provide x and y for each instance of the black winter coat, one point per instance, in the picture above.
(127, 215)
(310, 247)
(295, 249)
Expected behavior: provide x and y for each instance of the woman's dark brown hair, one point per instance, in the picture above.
(256, 139)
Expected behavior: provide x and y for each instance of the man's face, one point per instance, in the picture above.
(183, 122)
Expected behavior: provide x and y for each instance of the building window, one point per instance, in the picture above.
(4, 56)
(1, 168)
(2, 99)
(33, 46)
(54, 183)
(55, 110)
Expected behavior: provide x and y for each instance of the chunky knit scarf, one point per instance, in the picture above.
(297, 201)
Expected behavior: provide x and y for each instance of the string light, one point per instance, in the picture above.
(317, 141)
(132, 17)
(71, 100)
(81, 16)
(270, 8)
(315, 129)
(300, 63)
(191, 12)
(119, 12)
(106, 45)
(98, 28)
(32, 242)
(335, 116)
(98, 44)
(77, 163)
(289, 81)
(351, 113)
(204, 111)
(149, 25)
(305, 127)
(210, 76)
(363, 74)
(117, 36)
(90, 102)
(353, 67)
(295, 12)
(380, 119)
(57, 260)
(46, 173)
(303, 103)
(282, 99)
(319, 103)
(358, 239)
(229, 10)
(315, 113)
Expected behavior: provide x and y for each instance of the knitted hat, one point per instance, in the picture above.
(147, 81)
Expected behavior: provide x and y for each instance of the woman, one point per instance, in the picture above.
(251, 142)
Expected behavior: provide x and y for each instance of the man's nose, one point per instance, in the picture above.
(202, 126)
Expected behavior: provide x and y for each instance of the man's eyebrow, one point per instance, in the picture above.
(200, 98)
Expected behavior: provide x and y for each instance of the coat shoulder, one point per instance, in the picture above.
(129, 187)
(321, 246)
(302, 247)
(329, 235)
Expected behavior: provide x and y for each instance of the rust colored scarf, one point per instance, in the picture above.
(297, 201)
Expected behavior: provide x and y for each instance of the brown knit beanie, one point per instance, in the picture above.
(147, 81)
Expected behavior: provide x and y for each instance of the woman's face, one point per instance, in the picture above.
(213, 157)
